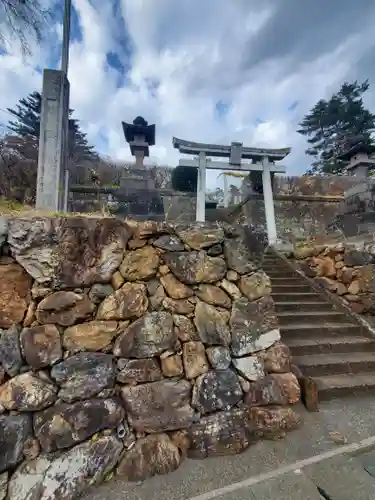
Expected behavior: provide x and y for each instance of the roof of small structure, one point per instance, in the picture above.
(139, 127)
(254, 154)
(359, 147)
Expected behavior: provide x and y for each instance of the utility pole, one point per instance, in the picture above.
(65, 103)
(66, 37)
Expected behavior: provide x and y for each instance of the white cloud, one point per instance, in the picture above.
(186, 57)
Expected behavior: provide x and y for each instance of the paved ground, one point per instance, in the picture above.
(352, 418)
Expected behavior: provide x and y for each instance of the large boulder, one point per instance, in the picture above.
(169, 243)
(15, 294)
(128, 302)
(365, 276)
(140, 264)
(211, 324)
(182, 306)
(254, 325)
(195, 267)
(10, 352)
(184, 328)
(353, 257)
(66, 475)
(147, 336)
(27, 392)
(148, 228)
(153, 455)
(159, 406)
(275, 389)
(238, 256)
(14, 431)
(100, 291)
(213, 295)
(305, 252)
(41, 345)
(256, 285)
(91, 336)
(84, 375)
(273, 422)
(250, 367)
(68, 251)
(194, 359)
(223, 433)
(219, 357)
(64, 425)
(175, 288)
(64, 308)
(134, 371)
(216, 390)
(4, 475)
(171, 365)
(200, 235)
(277, 359)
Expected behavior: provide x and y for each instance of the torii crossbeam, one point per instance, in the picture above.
(261, 159)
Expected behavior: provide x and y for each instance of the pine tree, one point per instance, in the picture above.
(331, 122)
(27, 124)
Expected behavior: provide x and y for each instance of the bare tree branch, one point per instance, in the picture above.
(21, 19)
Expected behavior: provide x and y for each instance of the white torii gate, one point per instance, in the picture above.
(261, 159)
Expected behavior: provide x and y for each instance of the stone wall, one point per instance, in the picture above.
(126, 347)
(344, 270)
(298, 219)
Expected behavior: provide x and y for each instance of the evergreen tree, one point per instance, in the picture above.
(27, 124)
(330, 123)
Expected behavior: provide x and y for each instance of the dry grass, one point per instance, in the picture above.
(14, 209)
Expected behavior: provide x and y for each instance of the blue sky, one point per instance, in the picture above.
(247, 71)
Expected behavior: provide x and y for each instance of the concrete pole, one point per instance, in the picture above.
(268, 201)
(66, 190)
(201, 188)
(50, 183)
(226, 191)
(53, 140)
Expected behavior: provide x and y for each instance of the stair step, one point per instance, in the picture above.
(295, 296)
(286, 306)
(280, 273)
(333, 386)
(339, 344)
(287, 280)
(314, 330)
(291, 288)
(319, 365)
(318, 317)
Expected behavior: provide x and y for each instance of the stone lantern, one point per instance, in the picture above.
(139, 135)
(357, 153)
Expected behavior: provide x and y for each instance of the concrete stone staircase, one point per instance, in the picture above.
(326, 342)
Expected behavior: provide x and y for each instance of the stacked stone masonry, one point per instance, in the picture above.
(126, 347)
(344, 270)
